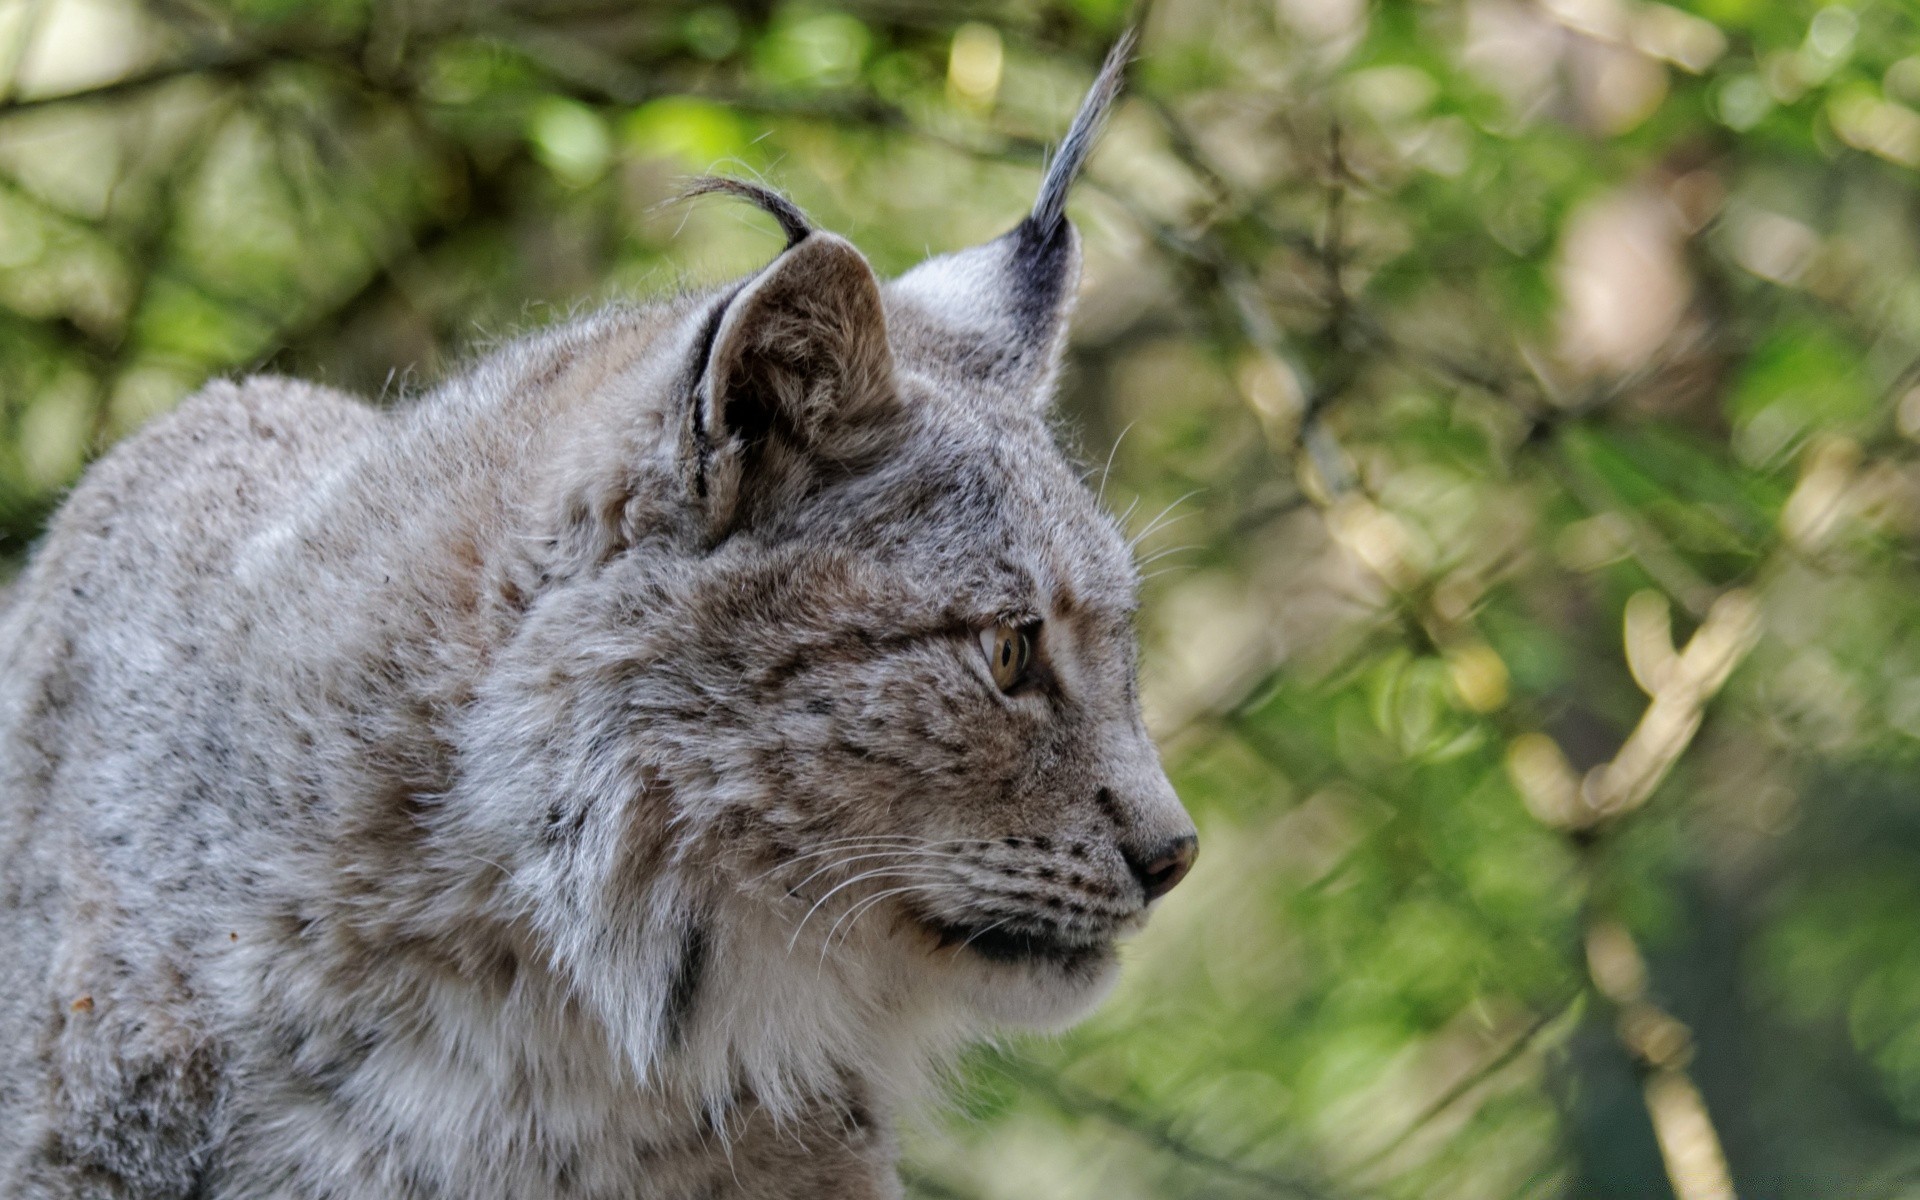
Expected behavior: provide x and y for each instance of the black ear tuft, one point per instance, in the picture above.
(1050, 208)
(793, 222)
(996, 314)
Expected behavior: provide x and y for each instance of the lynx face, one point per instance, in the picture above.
(927, 616)
(840, 627)
(933, 617)
(963, 766)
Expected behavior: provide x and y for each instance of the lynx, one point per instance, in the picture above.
(632, 770)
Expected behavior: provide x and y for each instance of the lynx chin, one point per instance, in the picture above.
(630, 771)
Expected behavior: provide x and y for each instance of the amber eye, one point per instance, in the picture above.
(1008, 650)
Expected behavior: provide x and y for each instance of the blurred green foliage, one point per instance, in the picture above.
(1529, 392)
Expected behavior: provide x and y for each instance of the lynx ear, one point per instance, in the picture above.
(1001, 308)
(798, 379)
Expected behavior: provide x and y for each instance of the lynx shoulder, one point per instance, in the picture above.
(625, 772)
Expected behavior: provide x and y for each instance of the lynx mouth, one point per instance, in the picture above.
(998, 943)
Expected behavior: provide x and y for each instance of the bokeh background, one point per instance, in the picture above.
(1517, 402)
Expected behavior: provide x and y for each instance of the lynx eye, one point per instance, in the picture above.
(1009, 650)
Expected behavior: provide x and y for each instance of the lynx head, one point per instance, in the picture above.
(867, 638)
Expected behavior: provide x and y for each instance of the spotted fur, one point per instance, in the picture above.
(587, 781)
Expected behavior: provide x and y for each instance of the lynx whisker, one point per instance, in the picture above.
(1167, 570)
(1157, 555)
(862, 907)
(1162, 519)
(877, 872)
(860, 851)
(865, 841)
(898, 856)
(859, 907)
(898, 839)
(1100, 497)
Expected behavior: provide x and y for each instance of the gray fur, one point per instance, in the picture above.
(586, 782)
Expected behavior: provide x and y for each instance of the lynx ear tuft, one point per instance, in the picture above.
(1002, 307)
(1050, 209)
(798, 379)
(793, 222)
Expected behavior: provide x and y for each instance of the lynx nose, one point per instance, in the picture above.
(1166, 866)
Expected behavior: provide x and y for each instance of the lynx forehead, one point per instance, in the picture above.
(625, 772)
